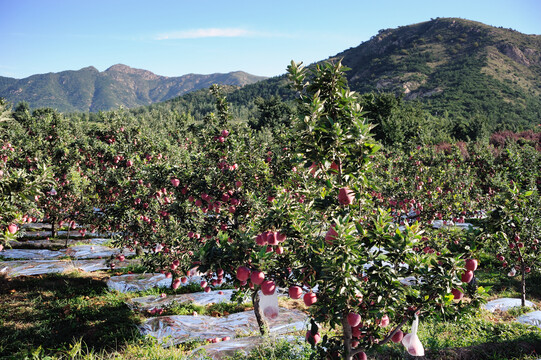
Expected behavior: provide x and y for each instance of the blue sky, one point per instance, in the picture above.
(178, 37)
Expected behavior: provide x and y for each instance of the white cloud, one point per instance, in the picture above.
(205, 33)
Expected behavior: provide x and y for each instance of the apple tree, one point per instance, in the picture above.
(230, 188)
(20, 188)
(514, 223)
(358, 269)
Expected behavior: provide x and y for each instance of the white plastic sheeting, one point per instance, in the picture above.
(95, 251)
(39, 267)
(42, 243)
(172, 330)
(532, 318)
(34, 254)
(437, 224)
(224, 349)
(42, 233)
(411, 281)
(504, 304)
(37, 226)
(200, 298)
(78, 252)
(138, 282)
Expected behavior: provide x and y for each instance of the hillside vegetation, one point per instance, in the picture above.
(91, 90)
(441, 80)
(453, 66)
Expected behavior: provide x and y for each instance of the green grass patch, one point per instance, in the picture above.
(51, 311)
(506, 286)
(274, 349)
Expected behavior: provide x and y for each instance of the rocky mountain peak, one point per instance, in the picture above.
(125, 69)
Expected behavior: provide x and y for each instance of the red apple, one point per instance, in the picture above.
(354, 319)
(345, 196)
(175, 182)
(12, 228)
(457, 294)
(243, 273)
(384, 321)
(312, 339)
(184, 279)
(176, 284)
(280, 237)
(268, 287)
(398, 336)
(330, 236)
(295, 292)
(471, 264)
(310, 298)
(270, 312)
(467, 276)
(271, 238)
(257, 277)
(261, 239)
(361, 356)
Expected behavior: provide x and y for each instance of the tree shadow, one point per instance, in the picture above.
(53, 311)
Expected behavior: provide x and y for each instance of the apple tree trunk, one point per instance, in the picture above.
(347, 337)
(53, 228)
(261, 322)
(523, 284)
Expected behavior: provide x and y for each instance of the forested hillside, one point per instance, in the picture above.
(453, 66)
(88, 89)
(438, 81)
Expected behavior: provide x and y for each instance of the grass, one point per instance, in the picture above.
(505, 286)
(51, 311)
(58, 314)
(75, 316)
(272, 349)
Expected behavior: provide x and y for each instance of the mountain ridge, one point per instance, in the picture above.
(464, 71)
(88, 89)
(452, 67)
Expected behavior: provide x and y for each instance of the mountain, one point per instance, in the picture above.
(451, 67)
(454, 66)
(91, 90)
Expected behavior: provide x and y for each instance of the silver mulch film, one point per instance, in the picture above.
(172, 330)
